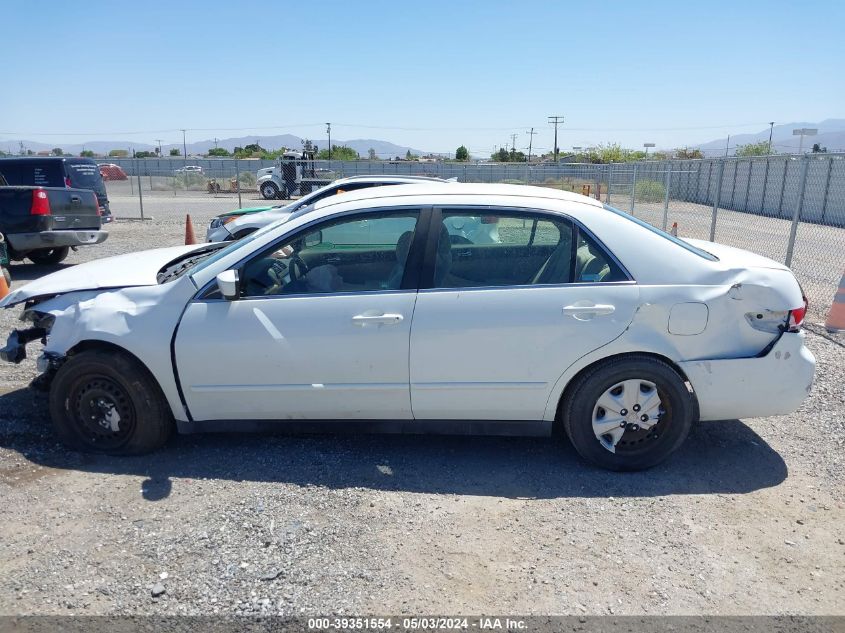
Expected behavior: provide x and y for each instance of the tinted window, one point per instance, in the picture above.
(510, 250)
(32, 173)
(84, 175)
(347, 255)
(352, 186)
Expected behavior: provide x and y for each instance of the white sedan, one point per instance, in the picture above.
(580, 319)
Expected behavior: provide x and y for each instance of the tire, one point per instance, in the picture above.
(102, 383)
(630, 379)
(48, 256)
(269, 191)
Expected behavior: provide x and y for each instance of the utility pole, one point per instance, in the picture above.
(513, 144)
(530, 142)
(771, 129)
(727, 143)
(215, 142)
(556, 120)
(184, 145)
(329, 132)
(158, 140)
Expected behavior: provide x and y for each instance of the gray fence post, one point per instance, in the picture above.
(765, 184)
(140, 195)
(238, 181)
(666, 195)
(796, 215)
(633, 186)
(827, 186)
(609, 183)
(716, 200)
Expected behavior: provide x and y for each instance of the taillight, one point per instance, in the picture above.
(67, 182)
(40, 203)
(796, 317)
(97, 204)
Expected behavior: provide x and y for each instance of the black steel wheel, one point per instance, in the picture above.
(107, 402)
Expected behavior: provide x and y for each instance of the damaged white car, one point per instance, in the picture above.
(579, 318)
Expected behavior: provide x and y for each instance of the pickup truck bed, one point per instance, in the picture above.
(42, 223)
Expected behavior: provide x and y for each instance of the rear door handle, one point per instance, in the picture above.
(585, 312)
(76, 199)
(370, 319)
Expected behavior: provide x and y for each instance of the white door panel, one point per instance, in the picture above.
(495, 354)
(341, 356)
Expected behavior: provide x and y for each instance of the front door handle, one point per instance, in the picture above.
(584, 311)
(370, 319)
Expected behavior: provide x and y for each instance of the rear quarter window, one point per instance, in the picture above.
(84, 175)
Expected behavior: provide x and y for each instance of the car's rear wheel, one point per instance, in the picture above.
(49, 256)
(106, 402)
(628, 413)
(269, 191)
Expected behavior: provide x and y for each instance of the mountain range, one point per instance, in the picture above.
(831, 134)
(383, 149)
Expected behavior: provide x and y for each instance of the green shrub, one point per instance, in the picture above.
(649, 191)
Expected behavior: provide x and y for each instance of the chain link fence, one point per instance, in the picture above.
(788, 208)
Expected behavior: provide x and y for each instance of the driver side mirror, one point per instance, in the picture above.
(228, 283)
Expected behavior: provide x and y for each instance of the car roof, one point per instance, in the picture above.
(493, 194)
(389, 178)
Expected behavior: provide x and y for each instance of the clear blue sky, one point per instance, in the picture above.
(457, 71)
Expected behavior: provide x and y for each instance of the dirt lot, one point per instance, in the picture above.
(746, 519)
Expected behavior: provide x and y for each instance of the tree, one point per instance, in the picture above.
(57, 151)
(175, 152)
(119, 153)
(462, 153)
(371, 154)
(339, 152)
(86, 153)
(254, 147)
(754, 149)
(818, 149)
(145, 154)
(686, 154)
(218, 151)
(410, 156)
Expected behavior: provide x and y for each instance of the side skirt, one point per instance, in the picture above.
(539, 428)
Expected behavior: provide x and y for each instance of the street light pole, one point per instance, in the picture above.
(727, 143)
(184, 145)
(802, 132)
(329, 132)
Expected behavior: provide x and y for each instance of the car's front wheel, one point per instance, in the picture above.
(628, 413)
(107, 402)
(269, 191)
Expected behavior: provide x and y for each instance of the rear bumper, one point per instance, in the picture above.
(774, 384)
(23, 242)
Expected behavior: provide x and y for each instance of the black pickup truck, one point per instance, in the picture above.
(43, 223)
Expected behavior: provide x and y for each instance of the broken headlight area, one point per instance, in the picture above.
(15, 348)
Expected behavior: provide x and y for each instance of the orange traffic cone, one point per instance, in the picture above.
(836, 317)
(4, 287)
(674, 230)
(190, 238)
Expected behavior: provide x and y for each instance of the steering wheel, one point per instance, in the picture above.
(298, 268)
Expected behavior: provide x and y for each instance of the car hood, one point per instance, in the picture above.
(736, 257)
(133, 269)
(244, 211)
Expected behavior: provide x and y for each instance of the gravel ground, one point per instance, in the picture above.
(745, 519)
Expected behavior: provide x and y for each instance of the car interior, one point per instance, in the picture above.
(356, 255)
